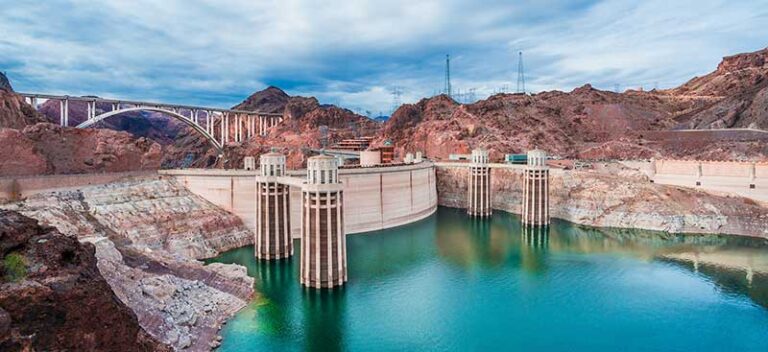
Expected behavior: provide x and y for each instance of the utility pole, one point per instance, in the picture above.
(520, 74)
(447, 89)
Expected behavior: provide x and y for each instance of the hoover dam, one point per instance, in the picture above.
(269, 176)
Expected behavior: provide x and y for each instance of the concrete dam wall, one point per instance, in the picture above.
(375, 197)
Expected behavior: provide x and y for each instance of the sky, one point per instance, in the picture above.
(355, 53)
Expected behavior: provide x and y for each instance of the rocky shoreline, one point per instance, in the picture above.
(618, 197)
(148, 234)
(54, 298)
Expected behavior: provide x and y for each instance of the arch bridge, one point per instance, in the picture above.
(219, 126)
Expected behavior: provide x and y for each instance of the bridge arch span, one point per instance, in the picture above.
(98, 118)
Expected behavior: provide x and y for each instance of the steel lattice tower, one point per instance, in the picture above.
(520, 74)
(447, 89)
(397, 92)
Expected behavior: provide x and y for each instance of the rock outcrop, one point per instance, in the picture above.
(733, 96)
(15, 113)
(147, 234)
(58, 300)
(4, 83)
(618, 198)
(594, 124)
(49, 149)
(271, 100)
(33, 147)
(302, 118)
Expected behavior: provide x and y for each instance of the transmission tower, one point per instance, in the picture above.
(447, 89)
(520, 74)
(323, 129)
(397, 92)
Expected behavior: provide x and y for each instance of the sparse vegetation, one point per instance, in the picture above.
(15, 267)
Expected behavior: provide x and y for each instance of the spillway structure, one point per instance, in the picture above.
(273, 227)
(536, 190)
(323, 241)
(479, 185)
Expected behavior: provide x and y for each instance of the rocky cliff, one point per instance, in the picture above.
(734, 95)
(33, 147)
(15, 113)
(302, 118)
(595, 124)
(4, 83)
(147, 233)
(45, 148)
(53, 297)
(617, 198)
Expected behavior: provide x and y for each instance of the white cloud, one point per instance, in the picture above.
(354, 52)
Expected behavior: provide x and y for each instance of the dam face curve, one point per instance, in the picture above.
(375, 198)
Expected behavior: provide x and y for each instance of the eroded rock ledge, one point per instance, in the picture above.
(55, 299)
(147, 234)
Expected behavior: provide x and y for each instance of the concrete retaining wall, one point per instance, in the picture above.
(719, 177)
(374, 198)
(13, 188)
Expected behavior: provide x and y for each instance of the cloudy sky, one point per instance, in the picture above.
(353, 53)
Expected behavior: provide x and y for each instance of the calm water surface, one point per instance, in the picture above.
(454, 283)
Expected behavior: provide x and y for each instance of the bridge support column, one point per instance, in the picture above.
(208, 123)
(239, 128)
(479, 192)
(91, 110)
(263, 126)
(64, 112)
(323, 243)
(222, 125)
(536, 190)
(273, 228)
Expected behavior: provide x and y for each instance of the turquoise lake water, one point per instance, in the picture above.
(452, 283)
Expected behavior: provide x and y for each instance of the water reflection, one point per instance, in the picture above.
(389, 253)
(738, 265)
(735, 264)
(324, 319)
(271, 279)
(474, 243)
(533, 256)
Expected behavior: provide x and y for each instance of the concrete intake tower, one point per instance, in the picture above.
(323, 243)
(536, 190)
(273, 228)
(479, 185)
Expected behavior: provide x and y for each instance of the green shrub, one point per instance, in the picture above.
(15, 267)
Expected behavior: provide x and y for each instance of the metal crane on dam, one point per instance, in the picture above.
(219, 126)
